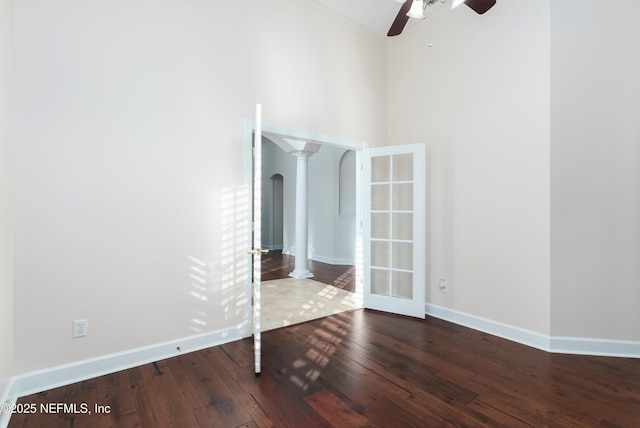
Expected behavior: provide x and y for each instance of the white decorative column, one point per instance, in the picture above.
(301, 269)
(302, 150)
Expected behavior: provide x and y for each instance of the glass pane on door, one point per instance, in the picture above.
(380, 169)
(380, 284)
(402, 227)
(403, 167)
(380, 224)
(402, 256)
(402, 284)
(380, 197)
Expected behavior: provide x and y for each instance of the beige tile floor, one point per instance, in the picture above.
(291, 301)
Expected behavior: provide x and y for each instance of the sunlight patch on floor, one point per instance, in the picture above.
(294, 300)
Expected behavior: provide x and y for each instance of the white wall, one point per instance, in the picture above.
(130, 205)
(595, 175)
(331, 236)
(6, 180)
(479, 97)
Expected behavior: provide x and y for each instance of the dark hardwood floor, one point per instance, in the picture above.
(276, 265)
(360, 368)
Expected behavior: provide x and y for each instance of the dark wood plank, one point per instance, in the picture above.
(143, 396)
(360, 368)
(202, 387)
(335, 411)
(258, 415)
(280, 396)
(387, 413)
(167, 401)
(113, 404)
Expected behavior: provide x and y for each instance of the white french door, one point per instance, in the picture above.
(394, 242)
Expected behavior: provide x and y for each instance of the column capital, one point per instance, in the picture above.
(296, 148)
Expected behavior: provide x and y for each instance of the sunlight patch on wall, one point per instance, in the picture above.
(235, 222)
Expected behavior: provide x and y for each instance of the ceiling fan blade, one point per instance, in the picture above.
(401, 19)
(480, 6)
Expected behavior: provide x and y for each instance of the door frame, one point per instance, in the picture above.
(304, 135)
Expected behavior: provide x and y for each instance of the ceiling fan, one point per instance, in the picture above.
(415, 9)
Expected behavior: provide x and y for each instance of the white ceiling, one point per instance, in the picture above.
(376, 15)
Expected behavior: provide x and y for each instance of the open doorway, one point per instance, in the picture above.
(253, 290)
(331, 235)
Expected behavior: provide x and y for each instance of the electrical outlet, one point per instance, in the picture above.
(444, 286)
(79, 328)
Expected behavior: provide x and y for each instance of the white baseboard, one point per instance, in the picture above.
(515, 334)
(332, 261)
(42, 380)
(323, 259)
(561, 345)
(599, 347)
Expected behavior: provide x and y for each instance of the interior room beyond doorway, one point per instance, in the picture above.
(331, 235)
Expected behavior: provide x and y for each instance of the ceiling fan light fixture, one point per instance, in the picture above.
(456, 3)
(417, 10)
